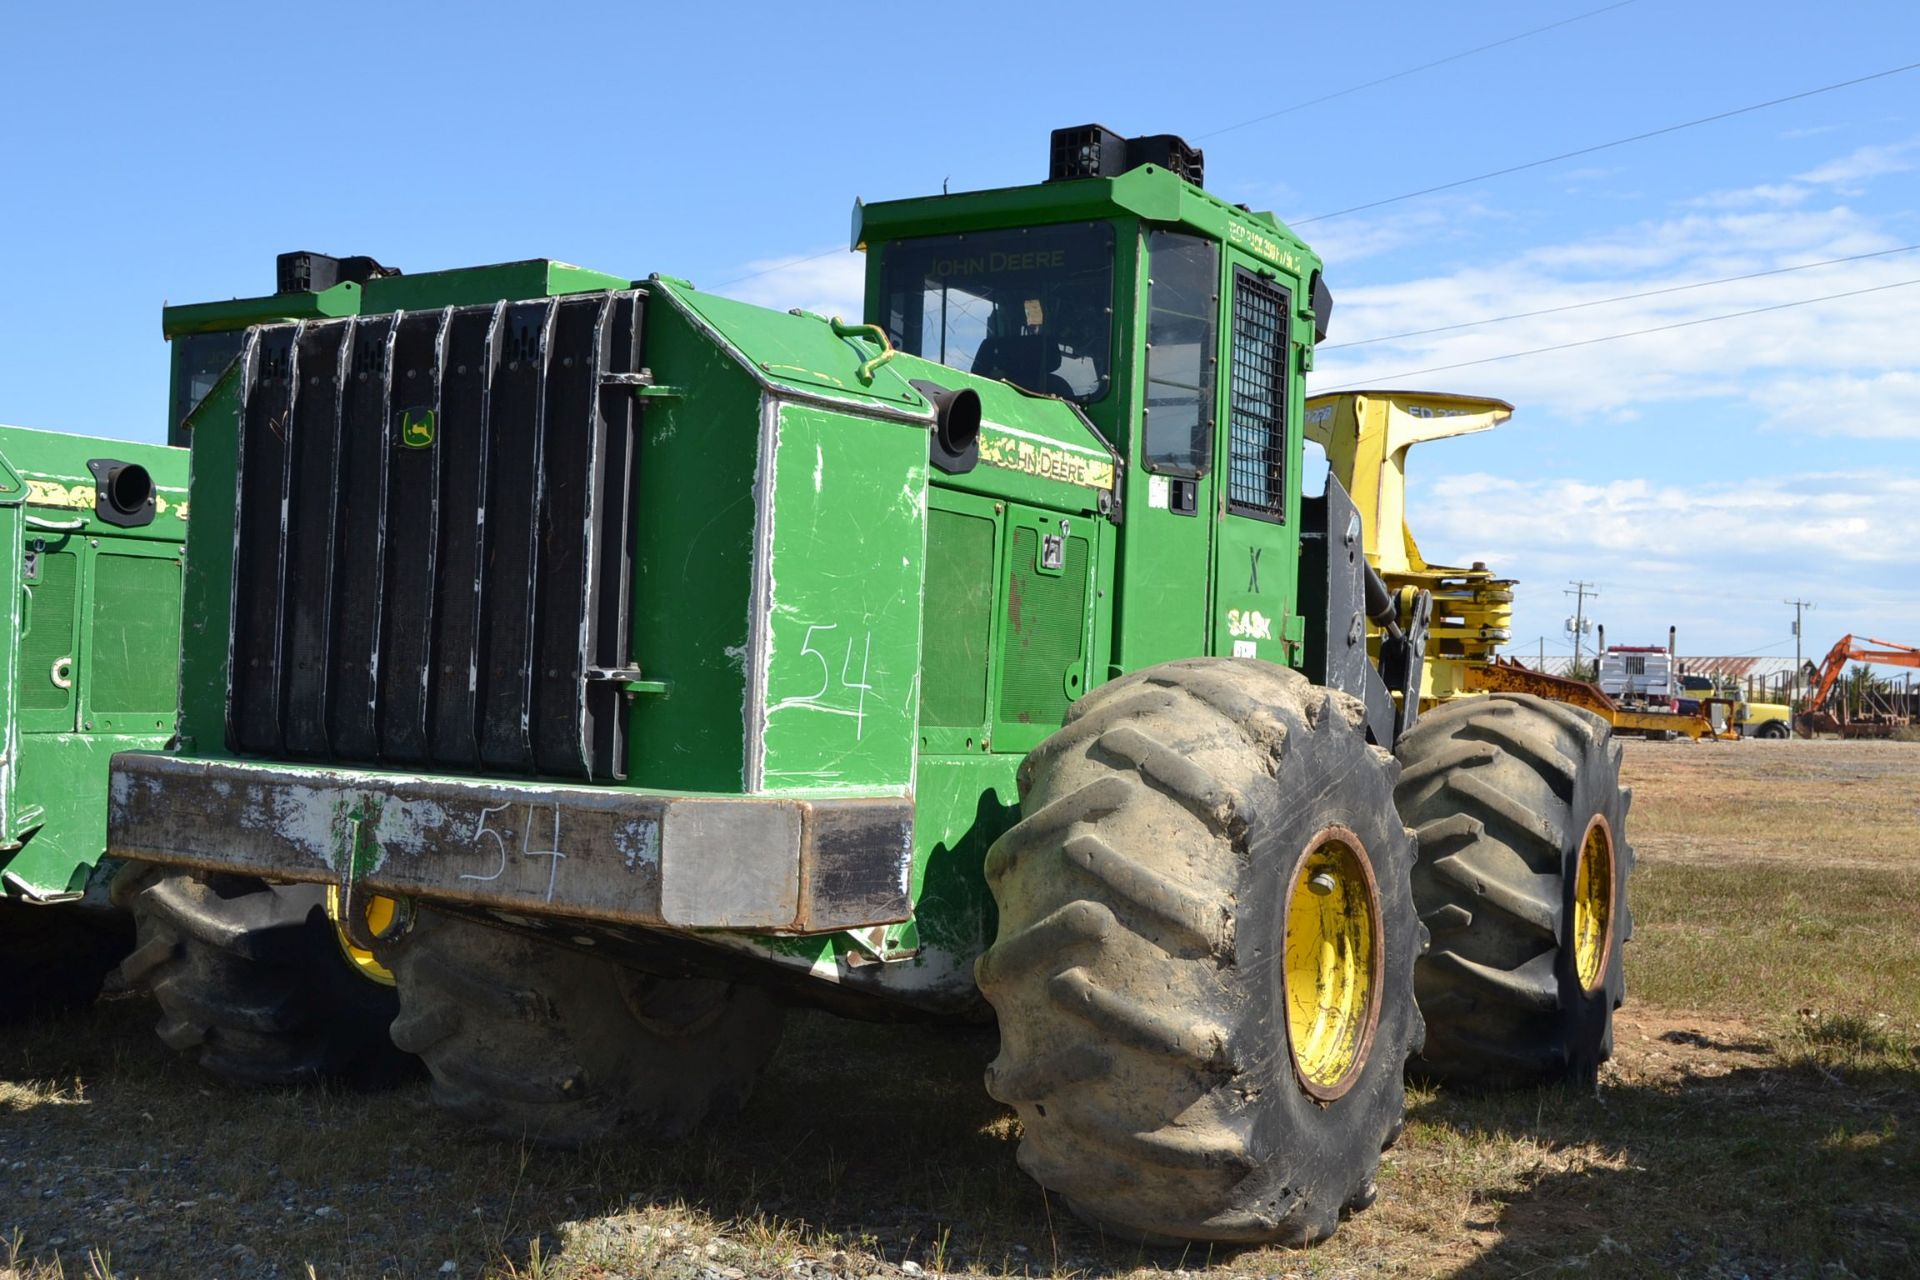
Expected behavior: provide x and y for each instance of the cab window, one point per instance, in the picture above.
(198, 361)
(1031, 306)
(1183, 299)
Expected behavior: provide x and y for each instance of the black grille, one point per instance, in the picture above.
(1257, 403)
(432, 538)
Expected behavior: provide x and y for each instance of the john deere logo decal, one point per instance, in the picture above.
(418, 428)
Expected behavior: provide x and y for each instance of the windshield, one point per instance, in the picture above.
(198, 362)
(1033, 307)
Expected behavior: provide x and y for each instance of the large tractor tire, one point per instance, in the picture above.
(54, 958)
(1204, 967)
(539, 1042)
(253, 983)
(1522, 884)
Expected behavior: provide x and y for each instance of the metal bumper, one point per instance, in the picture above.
(609, 854)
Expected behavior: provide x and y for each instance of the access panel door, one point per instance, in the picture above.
(130, 639)
(52, 566)
(1045, 631)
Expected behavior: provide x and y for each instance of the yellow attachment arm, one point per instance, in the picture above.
(1367, 434)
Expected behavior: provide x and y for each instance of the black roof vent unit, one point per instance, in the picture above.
(1095, 151)
(305, 272)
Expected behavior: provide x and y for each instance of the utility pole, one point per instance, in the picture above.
(1798, 607)
(1580, 592)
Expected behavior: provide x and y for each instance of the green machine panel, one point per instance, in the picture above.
(93, 665)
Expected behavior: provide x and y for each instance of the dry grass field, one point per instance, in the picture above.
(1761, 1117)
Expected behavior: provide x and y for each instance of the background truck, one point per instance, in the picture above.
(633, 662)
(1639, 676)
(1752, 719)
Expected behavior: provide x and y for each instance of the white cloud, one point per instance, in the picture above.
(1710, 558)
(1783, 364)
(1863, 163)
(1766, 193)
(1669, 545)
(1880, 406)
(1342, 241)
(829, 282)
(1857, 518)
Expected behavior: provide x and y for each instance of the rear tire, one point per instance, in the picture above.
(1140, 974)
(54, 958)
(532, 1040)
(252, 982)
(1503, 793)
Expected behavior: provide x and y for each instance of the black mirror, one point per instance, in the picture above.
(1321, 299)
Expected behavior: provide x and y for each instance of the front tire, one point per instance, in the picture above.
(1202, 1039)
(531, 1040)
(253, 984)
(1520, 816)
(1775, 729)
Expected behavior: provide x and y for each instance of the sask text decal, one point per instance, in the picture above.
(1046, 461)
(1250, 624)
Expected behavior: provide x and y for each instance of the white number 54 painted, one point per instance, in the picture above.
(856, 689)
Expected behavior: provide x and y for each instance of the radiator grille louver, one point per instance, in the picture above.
(443, 599)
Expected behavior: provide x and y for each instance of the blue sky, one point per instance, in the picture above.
(1700, 476)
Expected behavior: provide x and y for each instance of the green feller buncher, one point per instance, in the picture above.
(632, 662)
(92, 533)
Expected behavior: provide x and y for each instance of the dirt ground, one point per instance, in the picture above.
(1761, 1116)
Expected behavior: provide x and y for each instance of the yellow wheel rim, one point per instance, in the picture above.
(1333, 962)
(379, 913)
(1593, 905)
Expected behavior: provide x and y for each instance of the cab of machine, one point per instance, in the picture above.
(1180, 325)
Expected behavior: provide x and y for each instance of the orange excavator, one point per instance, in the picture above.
(1853, 721)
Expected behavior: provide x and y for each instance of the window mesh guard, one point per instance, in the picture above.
(1257, 400)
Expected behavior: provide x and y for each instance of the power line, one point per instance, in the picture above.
(1448, 186)
(1298, 106)
(1425, 66)
(1271, 115)
(1605, 146)
(1751, 653)
(1625, 297)
(1615, 337)
(778, 266)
